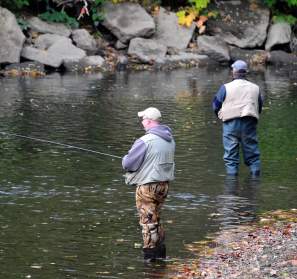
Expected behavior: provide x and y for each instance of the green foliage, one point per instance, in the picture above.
(14, 4)
(270, 3)
(22, 23)
(285, 18)
(61, 17)
(273, 3)
(281, 10)
(199, 4)
(97, 14)
(292, 3)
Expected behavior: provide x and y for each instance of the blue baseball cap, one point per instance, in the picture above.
(240, 66)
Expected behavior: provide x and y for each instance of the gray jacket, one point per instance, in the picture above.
(157, 163)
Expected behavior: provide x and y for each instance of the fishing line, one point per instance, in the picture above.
(61, 144)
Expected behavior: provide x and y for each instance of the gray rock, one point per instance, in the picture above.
(279, 33)
(44, 57)
(86, 64)
(25, 68)
(279, 57)
(60, 52)
(38, 25)
(170, 33)
(47, 40)
(293, 44)
(186, 57)
(11, 38)
(214, 47)
(92, 61)
(147, 50)
(120, 45)
(252, 57)
(241, 23)
(83, 39)
(127, 21)
(122, 63)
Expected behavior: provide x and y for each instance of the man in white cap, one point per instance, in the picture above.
(149, 165)
(238, 104)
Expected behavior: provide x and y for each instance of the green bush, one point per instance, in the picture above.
(14, 5)
(283, 10)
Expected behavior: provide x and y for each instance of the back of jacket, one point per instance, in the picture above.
(158, 164)
(241, 100)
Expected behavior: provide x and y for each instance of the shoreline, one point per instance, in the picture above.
(266, 249)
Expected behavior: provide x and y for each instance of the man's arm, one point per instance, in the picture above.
(219, 99)
(133, 160)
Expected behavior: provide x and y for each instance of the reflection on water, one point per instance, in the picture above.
(67, 213)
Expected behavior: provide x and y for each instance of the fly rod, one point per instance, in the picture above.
(61, 144)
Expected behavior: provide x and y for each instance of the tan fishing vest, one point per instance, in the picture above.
(158, 164)
(242, 99)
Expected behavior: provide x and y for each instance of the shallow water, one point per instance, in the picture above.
(66, 213)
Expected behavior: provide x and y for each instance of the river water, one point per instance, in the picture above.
(66, 213)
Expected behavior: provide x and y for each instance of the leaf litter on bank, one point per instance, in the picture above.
(266, 249)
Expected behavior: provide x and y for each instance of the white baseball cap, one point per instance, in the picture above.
(150, 113)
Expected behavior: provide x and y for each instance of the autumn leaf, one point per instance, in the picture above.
(201, 21)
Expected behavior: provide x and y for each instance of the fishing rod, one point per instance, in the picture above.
(61, 144)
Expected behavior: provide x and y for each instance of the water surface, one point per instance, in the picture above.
(66, 213)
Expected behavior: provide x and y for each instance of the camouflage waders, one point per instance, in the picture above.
(149, 200)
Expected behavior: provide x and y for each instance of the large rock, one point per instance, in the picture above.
(127, 21)
(241, 23)
(86, 64)
(47, 40)
(60, 52)
(187, 57)
(11, 38)
(147, 50)
(38, 25)
(170, 33)
(251, 56)
(278, 34)
(293, 44)
(83, 39)
(214, 47)
(279, 57)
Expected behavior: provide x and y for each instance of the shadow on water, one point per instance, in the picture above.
(67, 214)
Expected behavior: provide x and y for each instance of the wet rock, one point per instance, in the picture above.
(122, 63)
(293, 44)
(278, 34)
(60, 52)
(241, 23)
(127, 21)
(84, 40)
(38, 25)
(253, 57)
(214, 47)
(11, 37)
(146, 50)
(47, 40)
(86, 64)
(170, 33)
(279, 57)
(25, 69)
(120, 45)
(186, 57)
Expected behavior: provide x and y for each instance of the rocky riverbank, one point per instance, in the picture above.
(267, 249)
(138, 39)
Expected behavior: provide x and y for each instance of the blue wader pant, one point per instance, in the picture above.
(236, 132)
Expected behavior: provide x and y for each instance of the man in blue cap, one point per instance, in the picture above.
(238, 104)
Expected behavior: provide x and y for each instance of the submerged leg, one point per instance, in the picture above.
(149, 200)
